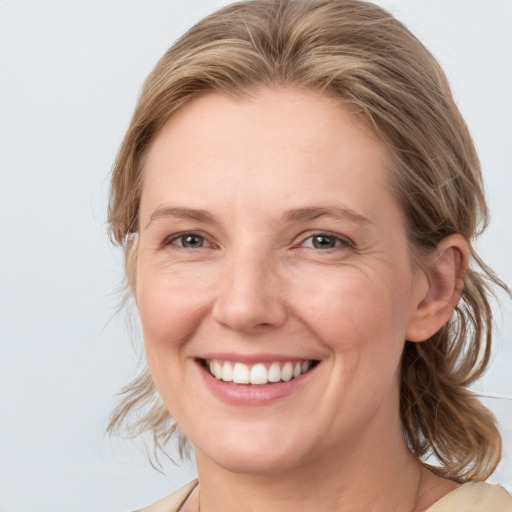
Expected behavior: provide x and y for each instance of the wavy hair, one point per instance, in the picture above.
(358, 53)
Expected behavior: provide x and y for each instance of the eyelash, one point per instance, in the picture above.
(173, 238)
(339, 241)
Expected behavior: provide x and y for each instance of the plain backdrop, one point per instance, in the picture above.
(70, 73)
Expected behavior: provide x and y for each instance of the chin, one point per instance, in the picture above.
(266, 457)
(261, 464)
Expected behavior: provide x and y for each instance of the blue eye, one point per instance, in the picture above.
(324, 241)
(188, 241)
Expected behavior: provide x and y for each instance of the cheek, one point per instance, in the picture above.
(170, 308)
(169, 302)
(166, 318)
(169, 318)
(355, 311)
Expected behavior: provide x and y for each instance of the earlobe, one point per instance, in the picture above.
(445, 276)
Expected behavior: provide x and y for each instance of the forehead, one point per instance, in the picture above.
(278, 149)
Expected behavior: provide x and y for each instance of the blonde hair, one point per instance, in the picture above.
(356, 52)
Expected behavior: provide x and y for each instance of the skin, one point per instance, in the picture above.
(256, 286)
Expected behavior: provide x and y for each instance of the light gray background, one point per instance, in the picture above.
(70, 72)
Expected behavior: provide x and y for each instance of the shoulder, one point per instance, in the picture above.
(475, 497)
(173, 502)
(469, 497)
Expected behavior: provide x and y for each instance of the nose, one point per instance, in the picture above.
(250, 298)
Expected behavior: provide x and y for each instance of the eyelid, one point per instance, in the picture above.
(345, 240)
(168, 241)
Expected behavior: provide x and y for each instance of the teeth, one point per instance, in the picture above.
(287, 372)
(217, 370)
(227, 372)
(274, 373)
(240, 373)
(259, 374)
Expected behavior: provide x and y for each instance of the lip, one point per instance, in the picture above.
(253, 358)
(248, 394)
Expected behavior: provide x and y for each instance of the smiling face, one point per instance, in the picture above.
(272, 254)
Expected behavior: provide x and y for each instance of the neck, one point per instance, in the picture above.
(377, 473)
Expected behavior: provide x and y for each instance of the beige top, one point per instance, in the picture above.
(469, 497)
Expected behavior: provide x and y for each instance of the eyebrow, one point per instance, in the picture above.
(295, 215)
(181, 213)
(316, 212)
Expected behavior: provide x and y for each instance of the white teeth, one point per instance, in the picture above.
(227, 372)
(274, 373)
(287, 372)
(217, 370)
(258, 374)
(240, 373)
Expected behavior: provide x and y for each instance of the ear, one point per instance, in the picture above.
(445, 281)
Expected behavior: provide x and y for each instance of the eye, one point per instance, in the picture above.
(187, 241)
(324, 241)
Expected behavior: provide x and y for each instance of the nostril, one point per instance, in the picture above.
(250, 299)
(249, 317)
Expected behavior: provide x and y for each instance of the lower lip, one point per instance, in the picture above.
(250, 395)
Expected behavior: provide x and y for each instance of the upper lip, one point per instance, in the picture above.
(254, 358)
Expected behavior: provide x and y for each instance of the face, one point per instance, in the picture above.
(274, 283)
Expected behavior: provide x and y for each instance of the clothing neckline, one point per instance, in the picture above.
(194, 483)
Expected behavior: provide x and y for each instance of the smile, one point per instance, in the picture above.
(259, 373)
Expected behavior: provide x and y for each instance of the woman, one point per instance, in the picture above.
(298, 193)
